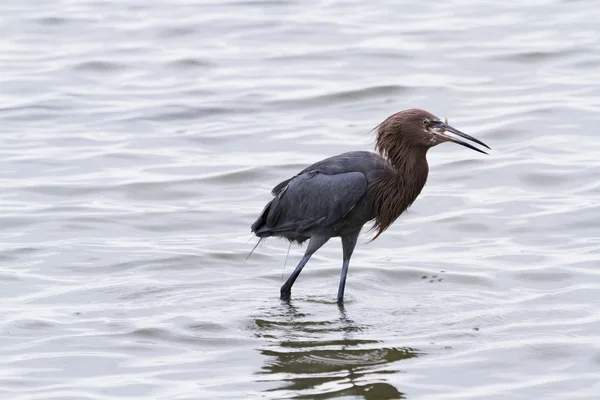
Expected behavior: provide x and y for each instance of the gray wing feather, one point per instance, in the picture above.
(315, 199)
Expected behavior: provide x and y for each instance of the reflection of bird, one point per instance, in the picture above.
(338, 195)
(326, 357)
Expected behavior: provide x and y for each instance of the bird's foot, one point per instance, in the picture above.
(286, 293)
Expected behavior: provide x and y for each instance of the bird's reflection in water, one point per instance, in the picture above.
(325, 355)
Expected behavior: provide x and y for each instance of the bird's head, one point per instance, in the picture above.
(419, 128)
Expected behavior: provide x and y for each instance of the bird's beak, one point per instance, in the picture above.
(441, 130)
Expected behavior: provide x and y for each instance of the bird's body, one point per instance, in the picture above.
(337, 196)
(327, 198)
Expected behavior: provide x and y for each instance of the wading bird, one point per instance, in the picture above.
(338, 195)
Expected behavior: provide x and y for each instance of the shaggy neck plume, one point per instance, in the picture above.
(398, 188)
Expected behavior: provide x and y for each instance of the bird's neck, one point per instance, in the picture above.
(399, 186)
(407, 159)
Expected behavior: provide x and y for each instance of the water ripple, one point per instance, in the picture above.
(140, 141)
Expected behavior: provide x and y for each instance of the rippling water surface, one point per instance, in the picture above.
(139, 141)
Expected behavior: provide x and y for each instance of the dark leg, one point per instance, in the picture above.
(315, 244)
(348, 244)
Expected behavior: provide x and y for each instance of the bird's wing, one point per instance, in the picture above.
(315, 199)
(351, 161)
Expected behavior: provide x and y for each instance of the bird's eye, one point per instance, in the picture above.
(426, 122)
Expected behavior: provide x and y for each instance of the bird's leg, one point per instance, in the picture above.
(286, 289)
(348, 244)
(315, 244)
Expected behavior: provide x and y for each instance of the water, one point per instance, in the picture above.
(139, 141)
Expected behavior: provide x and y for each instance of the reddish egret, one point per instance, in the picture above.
(338, 195)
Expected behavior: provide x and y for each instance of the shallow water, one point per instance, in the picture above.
(139, 141)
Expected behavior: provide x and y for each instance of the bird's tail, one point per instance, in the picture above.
(259, 227)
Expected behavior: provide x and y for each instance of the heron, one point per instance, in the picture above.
(337, 196)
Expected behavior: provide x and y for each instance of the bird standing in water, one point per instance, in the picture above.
(338, 195)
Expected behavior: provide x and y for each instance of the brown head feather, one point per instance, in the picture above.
(400, 139)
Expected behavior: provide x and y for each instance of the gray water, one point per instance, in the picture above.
(139, 140)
